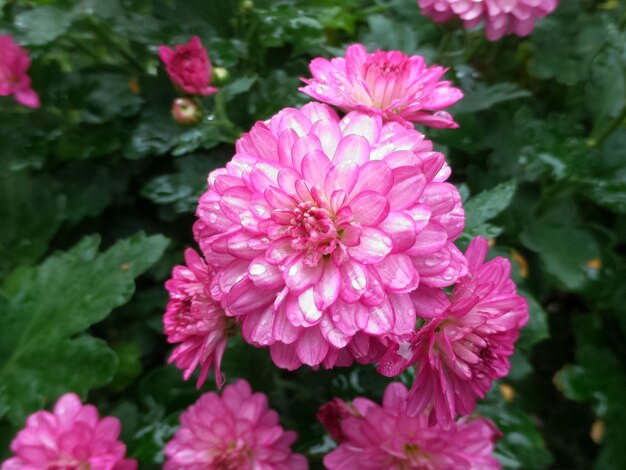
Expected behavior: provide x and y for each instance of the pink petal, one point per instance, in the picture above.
(312, 348)
(369, 208)
(375, 245)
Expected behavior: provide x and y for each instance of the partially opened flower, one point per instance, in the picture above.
(389, 84)
(466, 343)
(195, 320)
(500, 17)
(189, 67)
(234, 431)
(320, 228)
(14, 79)
(384, 437)
(72, 437)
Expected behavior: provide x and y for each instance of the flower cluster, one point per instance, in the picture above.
(233, 431)
(330, 238)
(71, 437)
(373, 436)
(14, 79)
(500, 17)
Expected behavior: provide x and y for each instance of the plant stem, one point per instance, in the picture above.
(222, 117)
(608, 130)
(443, 46)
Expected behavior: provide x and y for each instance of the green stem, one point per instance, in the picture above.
(223, 119)
(443, 46)
(608, 130)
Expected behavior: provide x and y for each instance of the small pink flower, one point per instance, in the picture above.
(391, 84)
(466, 343)
(235, 431)
(501, 17)
(189, 67)
(384, 437)
(14, 80)
(195, 320)
(320, 227)
(71, 437)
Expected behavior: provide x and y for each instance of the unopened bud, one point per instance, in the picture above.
(220, 76)
(186, 112)
(247, 5)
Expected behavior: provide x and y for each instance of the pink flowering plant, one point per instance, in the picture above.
(306, 234)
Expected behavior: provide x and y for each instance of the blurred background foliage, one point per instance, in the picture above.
(540, 158)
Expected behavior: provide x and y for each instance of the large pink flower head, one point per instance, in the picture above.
(14, 79)
(384, 437)
(390, 84)
(72, 437)
(195, 320)
(320, 227)
(236, 431)
(501, 17)
(466, 344)
(189, 67)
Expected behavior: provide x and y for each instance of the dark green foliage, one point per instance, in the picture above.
(540, 159)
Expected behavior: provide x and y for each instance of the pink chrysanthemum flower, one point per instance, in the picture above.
(391, 84)
(501, 17)
(195, 320)
(14, 79)
(72, 437)
(235, 431)
(385, 438)
(466, 344)
(320, 227)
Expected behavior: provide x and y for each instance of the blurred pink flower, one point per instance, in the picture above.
(189, 67)
(71, 437)
(234, 431)
(385, 438)
(466, 344)
(320, 227)
(500, 16)
(391, 84)
(195, 320)
(332, 414)
(14, 63)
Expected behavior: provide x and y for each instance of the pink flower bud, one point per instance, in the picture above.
(186, 112)
(189, 67)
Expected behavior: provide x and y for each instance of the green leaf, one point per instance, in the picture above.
(31, 214)
(40, 355)
(485, 206)
(598, 377)
(480, 96)
(537, 327)
(43, 25)
(385, 33)
(521, 446)
(563, 250)
(238, 86)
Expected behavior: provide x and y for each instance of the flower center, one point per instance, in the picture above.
(314, 231)
(234, 457)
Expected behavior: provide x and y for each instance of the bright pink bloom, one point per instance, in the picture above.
(14, 80)
(391, 84)
(320, 227)
(235, 431)
(189, 67)
(195, 320)
(384, 438)
(72, 437)
(500, 16)
(466, 345)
